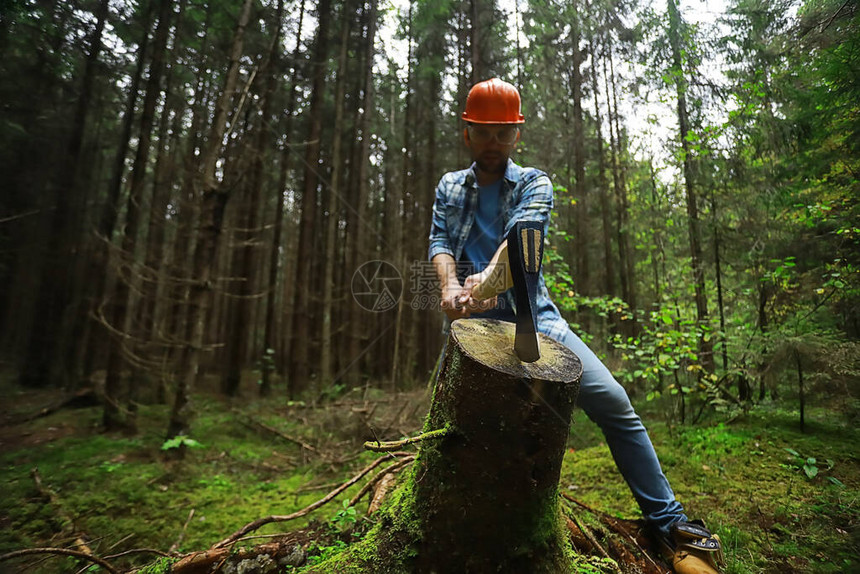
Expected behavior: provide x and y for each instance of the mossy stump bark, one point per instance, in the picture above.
(484, 498)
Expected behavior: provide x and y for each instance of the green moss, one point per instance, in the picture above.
(738, 477)
(389, 547)
(114, 486)
(160, 566)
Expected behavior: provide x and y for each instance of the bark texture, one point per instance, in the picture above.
(484, 498)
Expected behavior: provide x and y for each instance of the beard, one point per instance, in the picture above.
(492, 162)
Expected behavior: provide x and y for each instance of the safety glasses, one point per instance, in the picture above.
(505, 135)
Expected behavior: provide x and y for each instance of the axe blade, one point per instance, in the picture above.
(525, 253)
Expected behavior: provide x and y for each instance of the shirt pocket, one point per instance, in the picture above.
(453, 215)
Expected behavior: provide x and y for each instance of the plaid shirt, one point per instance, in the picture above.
(526, 196)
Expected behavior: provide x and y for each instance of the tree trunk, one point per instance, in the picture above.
(580, 234)
(57, 297)
(359, 330)
(249, 259)
(762, 322)
(744, 389)
(271, 331)
(628, 280)
(401, 209)
(603, 189)
(214, 200)
(124, 298)
(800, 389)
(335, 191)
(301, 331)
(706, 352)
(484, 497)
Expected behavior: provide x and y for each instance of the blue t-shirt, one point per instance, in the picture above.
(486, 233)
(484, 239)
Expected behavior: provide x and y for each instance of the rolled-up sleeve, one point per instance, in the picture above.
(533, 202)
(439, 239)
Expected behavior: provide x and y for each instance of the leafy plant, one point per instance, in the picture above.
(809, 465)
(180, 441)
(110, 466)
(216, 481)
(345, 517)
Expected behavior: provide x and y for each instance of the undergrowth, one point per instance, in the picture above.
(750, 480)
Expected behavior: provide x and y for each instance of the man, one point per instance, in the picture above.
(474, 209)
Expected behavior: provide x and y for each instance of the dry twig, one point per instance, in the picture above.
(61, 552)
(377, 446)
(283, 435)
(54, 500)
(251, 526)
(387, 470)
(584, 529)
(175, 546)
(613, 525)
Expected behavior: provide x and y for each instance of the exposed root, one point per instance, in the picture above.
(281, 553)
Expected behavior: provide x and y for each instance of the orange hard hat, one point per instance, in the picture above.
(493, 101)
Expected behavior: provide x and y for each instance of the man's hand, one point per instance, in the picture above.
(476, 305)
(457, 302)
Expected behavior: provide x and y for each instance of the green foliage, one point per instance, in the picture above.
(594, 565)
(180, 442)
(318, 554)
(809, 466)
(346, 517)
(160, 566)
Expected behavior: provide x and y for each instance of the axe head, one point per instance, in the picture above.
(525, 253)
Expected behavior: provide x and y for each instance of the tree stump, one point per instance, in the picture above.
(484, 498)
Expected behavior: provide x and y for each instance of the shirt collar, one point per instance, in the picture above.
(512, 174)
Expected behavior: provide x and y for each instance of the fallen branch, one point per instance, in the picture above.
(61, 552)
(286, 437)
(380, 491)
(54, 500)
(251, 526)
(389, 446)
(211, 560)
(312, 488)
(394, 419)
(588, 535)
(175, 546)
(85, 397)
(388, 470)
(613, 524)
(139, 551)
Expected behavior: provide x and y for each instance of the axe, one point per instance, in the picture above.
(518, 263)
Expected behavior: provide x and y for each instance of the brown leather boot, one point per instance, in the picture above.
(693, 549)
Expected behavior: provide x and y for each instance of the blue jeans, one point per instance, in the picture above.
(606, 403)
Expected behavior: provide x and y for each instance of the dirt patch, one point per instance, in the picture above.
(18, 416)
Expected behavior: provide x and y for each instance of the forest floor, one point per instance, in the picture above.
(781, 500)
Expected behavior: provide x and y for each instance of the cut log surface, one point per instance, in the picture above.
(491, 343)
